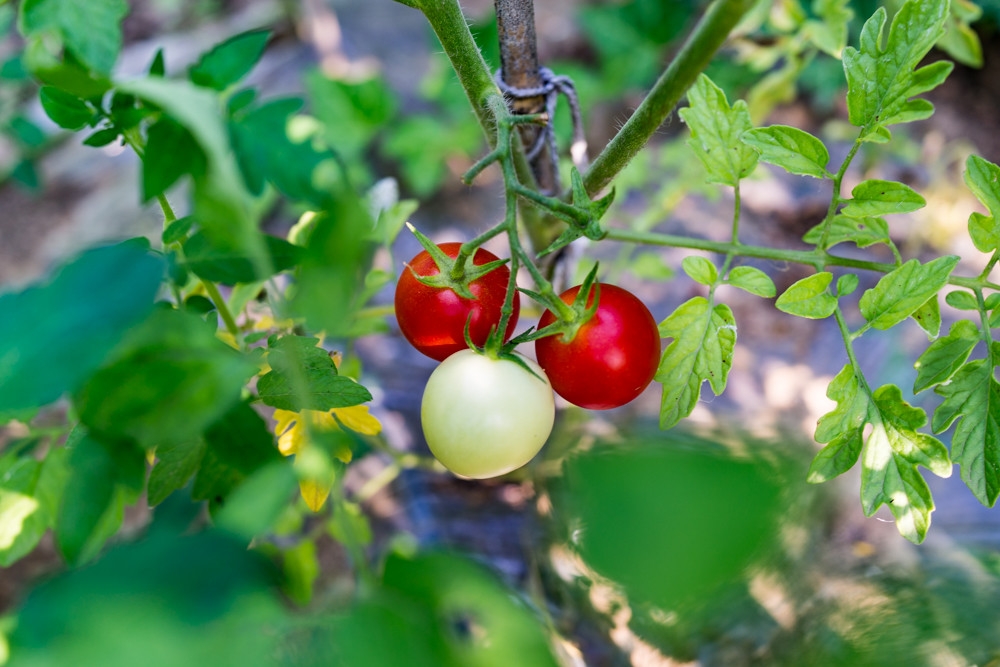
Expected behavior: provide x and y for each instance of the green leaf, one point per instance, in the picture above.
(891, 455)
(49, 63)
(168, 381)
(794, 150)
(177, 231)
(232, 266)
(928, 317)
(809, 297)
(90, 29)
(230, 61)
(882, 79)
(255, 505)
(716, 129)
(171, 152)
(55, 334)
(961, 300)
(222, 206)
(30, 496)
(237, 446)
(904, 290)
(700, 270)
(176, 463)
(873, 198)
(973, 395)
(266, 153)
(331, 274)
(351, 112)
(960, 40)
(104, 476)
(846, 284)
(702, 350)
(303, 376)
(752, 280)
(983, 179)
(67, 111)
(102, 138)
(612, 496)
(842, 427)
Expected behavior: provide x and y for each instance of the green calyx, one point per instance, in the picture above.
(455, 273)
(569, 317)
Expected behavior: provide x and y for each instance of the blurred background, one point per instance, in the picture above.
(621, 544)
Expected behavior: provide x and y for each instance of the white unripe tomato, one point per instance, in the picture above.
(484, 417)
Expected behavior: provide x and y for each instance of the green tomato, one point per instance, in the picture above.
(484, 417)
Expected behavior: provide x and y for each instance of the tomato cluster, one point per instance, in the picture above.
(485, 416)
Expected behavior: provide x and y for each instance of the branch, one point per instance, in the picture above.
(710, 33)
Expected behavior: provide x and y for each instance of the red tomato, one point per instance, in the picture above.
(433, 318)
(613, 356)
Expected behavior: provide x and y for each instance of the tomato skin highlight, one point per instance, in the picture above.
(485, 417)
(613, 356)
(433, 319)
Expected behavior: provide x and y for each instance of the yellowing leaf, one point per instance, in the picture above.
(227, 338)
(359, 419)
(292, 435)
(315, 493)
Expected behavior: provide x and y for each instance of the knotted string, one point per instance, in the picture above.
(552, 86)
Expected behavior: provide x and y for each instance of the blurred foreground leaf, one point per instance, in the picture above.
(53, 335)
(669, 523)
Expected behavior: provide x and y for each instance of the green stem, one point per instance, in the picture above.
(222, 307)
(710, 33)
(816, 258)
(836, 200)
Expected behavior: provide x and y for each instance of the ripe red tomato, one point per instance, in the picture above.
(613, 356)
(433, 318)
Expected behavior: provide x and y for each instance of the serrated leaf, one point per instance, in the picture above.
(794, 150)
(983, 178)
(702, 350)
(973, 395)
(67, 111)
(304, 377)
(809, 297)
(873, 198)
(905, 289)
(352, 112)
(842, 428)
(233, 266)
(167, 382)
(90, 29)
(753, 280)
(230, 61)
(700, 270)
(890, 458)
(960, 40)
(716, 129)
(863, 232)
(75, 319)
(881, 79)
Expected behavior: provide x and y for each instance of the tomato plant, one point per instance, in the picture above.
(484, 417)
(434, 318)
(613, 356)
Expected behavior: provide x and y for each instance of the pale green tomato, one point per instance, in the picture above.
(484, 417)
